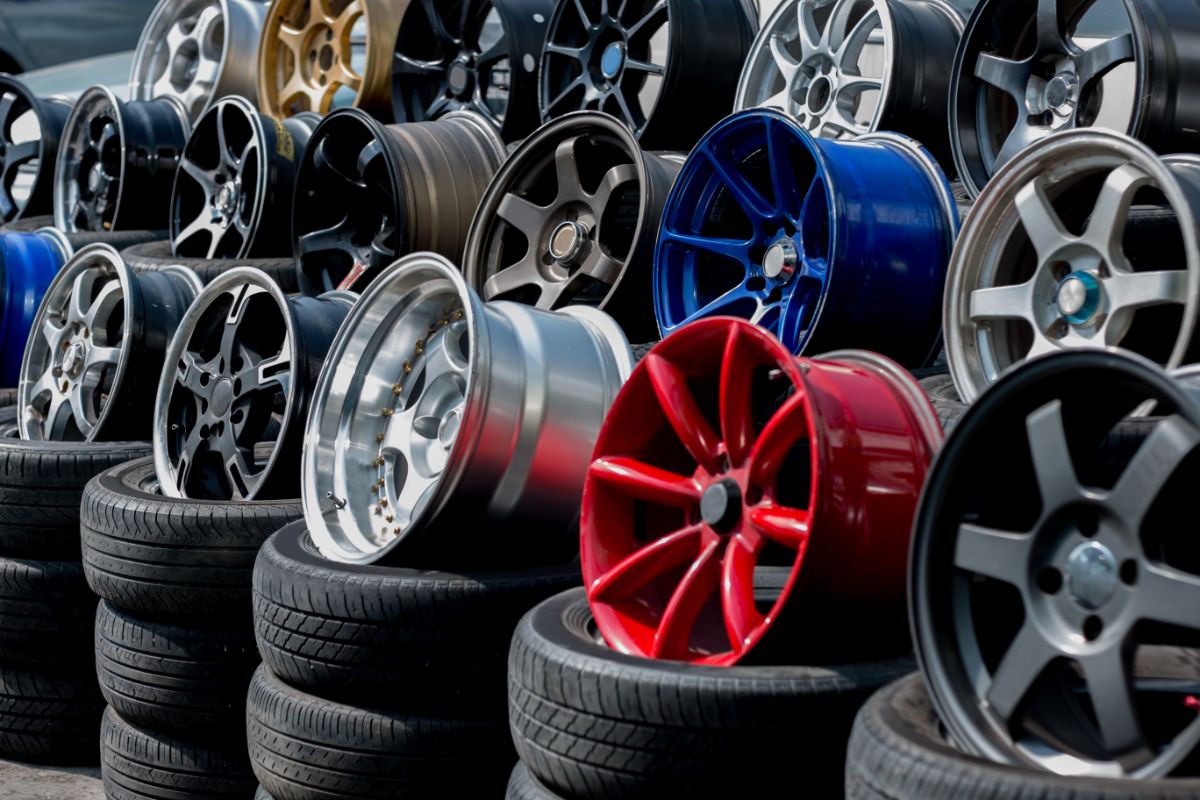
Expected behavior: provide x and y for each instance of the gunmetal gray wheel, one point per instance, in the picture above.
(198, 51)
(116, 163)
(1037, 599)
(1048, 260)
(30, 128)
(96, 347)
(236, 387)
(235, 181)
(847, 67)
(434, 405)
(572, 219)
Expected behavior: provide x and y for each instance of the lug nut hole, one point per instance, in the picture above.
(1050, 580)
(1092, 628)
(1129, 572)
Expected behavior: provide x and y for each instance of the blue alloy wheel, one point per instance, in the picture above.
(28, 262)
(828, 244)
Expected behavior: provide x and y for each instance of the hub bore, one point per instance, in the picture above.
(1092, 575)
(568, 242)
(721, 505)
(1078, 297)
(781, 260)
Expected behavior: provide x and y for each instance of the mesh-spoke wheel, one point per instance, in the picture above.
(1038, 600)
(571, 219)
(1049, 259)
(434, 405)
(238, 380)
(848, 67)
(724, 458)
(1029, 68)
(96, 349)
(367, 193)
(471, 55)
(198, 51)
(667, 68)
(116, 163)
(316, 55)
(233, 190)
(825, 243)
(30, 128)
(28, 263)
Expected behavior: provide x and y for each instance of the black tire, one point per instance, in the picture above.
(139, 764)
(41, 484)
(49, 717)
(356, 632)
(78, 239)
(523, 786)
(941, 387)
(897, 752)
(307, 748)
(592, 723)
(159, 556)
(262, 794)
(46, 612)
(154, 256)
(189, 681)
(8, 397)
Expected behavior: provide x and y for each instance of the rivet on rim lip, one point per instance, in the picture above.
(397, 390)
(387, 412)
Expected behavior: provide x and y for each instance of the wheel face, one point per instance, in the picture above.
(476, 55)
(1049, 260)
(28, 263)
(763, 220)
(1034, 598)
(1027, 70)
(27, 153)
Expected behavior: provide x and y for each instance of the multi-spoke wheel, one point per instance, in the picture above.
(435, 406)
(233, 190)
(117, 161)
(367, 193)
(726, 459)
(471, 55)
(1049, 606)
(848, 67)
(30, 128)
(28, 263)
(667, 68)
(198, 51)
(316, 55)
(1028, 68)
(825, 243)
(571, 219)
(236, 388)
(96, 349)
(1049, 259)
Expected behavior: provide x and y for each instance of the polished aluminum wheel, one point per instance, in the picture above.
(198, 51)
(96, 348)
(30, 128)
(435, 406)
(233, 191)
(1048, 259)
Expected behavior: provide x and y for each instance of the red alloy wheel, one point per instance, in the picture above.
(724, 455)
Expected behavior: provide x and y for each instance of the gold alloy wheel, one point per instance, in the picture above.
(315, 55)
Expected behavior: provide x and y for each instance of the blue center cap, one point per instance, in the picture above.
(612, 61)
(1078, 297)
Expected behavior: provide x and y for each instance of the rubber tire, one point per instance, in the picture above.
(307, 748)
(78, 239)
(941, 387)
(190, 681)
(138, 764)
(592, 723)
(159, 555)
(262, 794)
(41, 484)
(8, 397)
(354, 632)
(49, 717)
(154, 256)
(523, 786)
(46, 612)
(897, 752)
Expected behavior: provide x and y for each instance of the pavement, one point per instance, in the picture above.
(27, 782)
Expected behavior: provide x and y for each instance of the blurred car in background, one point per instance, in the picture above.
(42, 33)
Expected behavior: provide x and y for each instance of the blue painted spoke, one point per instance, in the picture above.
(729, 248)
(724, 304)
(783, 172)
(746, 196)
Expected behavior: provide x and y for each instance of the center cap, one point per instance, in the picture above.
(458, 77)
(72, 363)
(222, 397)
(781, 260)
(1078, 297)
(721, 505)
(227, 197)
(1092, 575)
(95, 179)
(1059, 91)
(568, 241)
(612, 60)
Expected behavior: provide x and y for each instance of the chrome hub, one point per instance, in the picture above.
(568, 242)
(73, 360)
(1078, 297)
(458, 78)
(227, 198)
(95, 178)
(1060, 93)
(1092, 575)
(612, 60)
(820, 94)
(222, 397)
(781, 260)
(721, 505)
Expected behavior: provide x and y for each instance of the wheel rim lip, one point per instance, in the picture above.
(164, 468)
(959, 710)
(994, 206)
(46, 166)
(929, 166)
(326, 421)
(91, 100)
(514, 168)
(93, 256)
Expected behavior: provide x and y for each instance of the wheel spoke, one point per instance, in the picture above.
(1026, 659)
(566, 169)
(1172, 440)
(1111, 688)
(523, 273)
(1052, 465)
(522, 215)
(1011, 77)
(744, 194)
(107, 300)
(1106, 226)
(1096, 62)
(1003, 302)
(788, 426)
(1042, 224)
(1167, 595)
(640, 481)
(787, 527)
(645, 66)
(602, 267)
(679, 618)
(785, 62)
(646, 565)
(742, 617)
(1051, 28)
(1002, 555)
(737, 417)
(19, 154)
(1133, 290)
(403, 65)
(729, 248)
(242, 477)
(615, 178)
(659, 9)
(849, 43)
(783, 174)
(570, 87)
(679, 406)
(806, 23)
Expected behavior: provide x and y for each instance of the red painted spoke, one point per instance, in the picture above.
(675, 628)
(652, 561)
(737, 371)
(737, 593)
(783, 431)
(641, 481)
(784, 526)
(677, 403)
